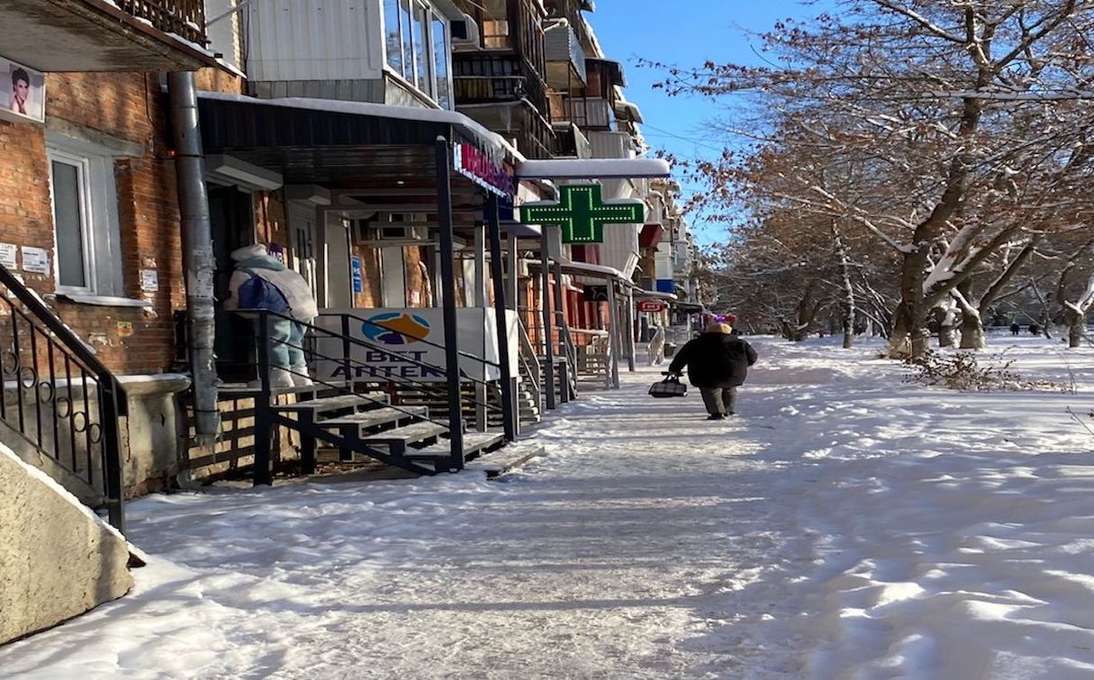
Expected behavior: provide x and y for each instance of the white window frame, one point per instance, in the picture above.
(101, 234)
(425, 85)
(87, 226)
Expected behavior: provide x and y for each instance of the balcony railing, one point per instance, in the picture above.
(184, 18)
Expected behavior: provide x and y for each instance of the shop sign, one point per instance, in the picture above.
(582, 213)
(407, 345)
(22, 92)
(357, 273)
(652, 306)
(474, 164)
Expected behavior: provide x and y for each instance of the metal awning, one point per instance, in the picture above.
(596, 271)
(655, 295)
(341, 145)
(594, 168)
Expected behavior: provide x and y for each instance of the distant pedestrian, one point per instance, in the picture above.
(717, 363)
(1034, 329)
(1015, 329)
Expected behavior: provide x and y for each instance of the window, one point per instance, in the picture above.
(70, 222)
(86, 257)
(424, 79)
(442, 55)
(495, 25)
(392, 36)
(408, 42)
(419, 48)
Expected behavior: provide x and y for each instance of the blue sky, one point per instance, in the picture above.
(689, 33)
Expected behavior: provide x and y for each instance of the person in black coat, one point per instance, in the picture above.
(717, 363)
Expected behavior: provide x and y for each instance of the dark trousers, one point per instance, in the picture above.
(719, 401)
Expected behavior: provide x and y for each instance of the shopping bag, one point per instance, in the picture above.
(668, 388)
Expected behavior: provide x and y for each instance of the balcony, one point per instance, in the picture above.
(565, 58)
(587, 113)
(570, 142)
(105, 35)
(487, 78)
(489, 102)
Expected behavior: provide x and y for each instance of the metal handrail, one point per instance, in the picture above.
(354, 362)
(62, 350)
(528, 356)
(362, 343)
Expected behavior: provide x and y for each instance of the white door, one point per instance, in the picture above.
(302, 232)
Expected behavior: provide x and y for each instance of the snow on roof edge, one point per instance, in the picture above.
(594, 168)
(413, 113)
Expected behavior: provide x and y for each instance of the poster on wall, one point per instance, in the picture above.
(7, 255)
(22, 92)
(35, 260)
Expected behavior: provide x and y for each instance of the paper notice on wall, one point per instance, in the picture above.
(150, 280)
(7, 255)
(35, 260)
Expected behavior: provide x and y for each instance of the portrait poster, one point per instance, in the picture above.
(22, 92)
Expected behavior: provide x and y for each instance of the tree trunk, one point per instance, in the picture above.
(848, 288)
(972, 322)
(1076, 325)
(972, 332)
(900, 340)
(947, 324)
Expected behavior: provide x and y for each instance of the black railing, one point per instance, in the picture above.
(355, 372)
(184, 18)
(59, 399)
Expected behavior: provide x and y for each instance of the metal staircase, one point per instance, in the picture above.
(61, 406)
(395, 421)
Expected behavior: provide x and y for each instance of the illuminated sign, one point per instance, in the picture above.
(652, 306)
(582, 213)
(475, 165)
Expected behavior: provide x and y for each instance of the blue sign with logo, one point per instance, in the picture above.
(358, 274)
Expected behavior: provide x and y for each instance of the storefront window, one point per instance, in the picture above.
(392, 36)
(441, 56)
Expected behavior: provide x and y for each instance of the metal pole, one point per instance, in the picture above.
(197, 252)
(545, 303)
(629, 329)
(613, 313)
(263, 421)
(508, 403)
(447, 256)
(563, 333)
(513, 294)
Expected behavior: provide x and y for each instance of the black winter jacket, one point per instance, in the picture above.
(715, 360)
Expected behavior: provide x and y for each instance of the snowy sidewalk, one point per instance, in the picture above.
(845, 526)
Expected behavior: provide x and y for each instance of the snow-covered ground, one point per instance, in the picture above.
(846, 525)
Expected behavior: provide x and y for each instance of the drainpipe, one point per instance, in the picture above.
(197, 252)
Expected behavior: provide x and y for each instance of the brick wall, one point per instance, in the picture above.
(128, 107)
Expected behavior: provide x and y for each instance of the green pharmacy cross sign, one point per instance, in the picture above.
(582, 213)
